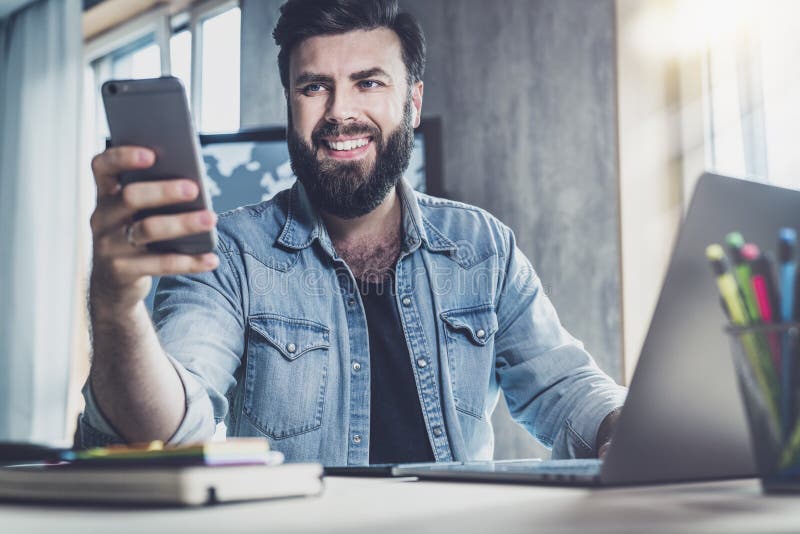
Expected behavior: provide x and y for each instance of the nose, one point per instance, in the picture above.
(341, 108)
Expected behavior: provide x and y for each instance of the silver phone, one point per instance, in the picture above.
(154, 113)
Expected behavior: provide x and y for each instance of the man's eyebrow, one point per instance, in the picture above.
(310, 77)
(370, 73)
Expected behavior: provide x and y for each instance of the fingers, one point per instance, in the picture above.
(107, 166)
(115, 210)
(129, 269)
(142, 195)
(130, 240)
(163, 227)
(121, 283)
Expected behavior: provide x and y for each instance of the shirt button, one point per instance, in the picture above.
(291, 348)
(406, 301)
(422, 363)
(356, 366)
(481, 333)
(357, 439)
(351, 301)
(437, 431)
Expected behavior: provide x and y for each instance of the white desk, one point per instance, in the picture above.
(408, 506)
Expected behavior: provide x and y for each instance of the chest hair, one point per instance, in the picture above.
(371, 260)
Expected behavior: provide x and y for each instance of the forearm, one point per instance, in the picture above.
(136, 386)
(579, 419)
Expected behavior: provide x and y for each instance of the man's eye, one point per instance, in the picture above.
(313, 88)
(369, 84)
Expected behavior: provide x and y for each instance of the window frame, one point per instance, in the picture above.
(162, 25)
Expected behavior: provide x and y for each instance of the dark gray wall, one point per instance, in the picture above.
(526, 93)
(262, 100)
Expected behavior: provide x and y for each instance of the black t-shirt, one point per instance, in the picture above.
(397, 428)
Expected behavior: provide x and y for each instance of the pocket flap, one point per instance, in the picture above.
(479, 323)
(292, 337)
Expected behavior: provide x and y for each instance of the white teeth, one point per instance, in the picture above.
(350, 144)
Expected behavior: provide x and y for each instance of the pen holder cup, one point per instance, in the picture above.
(767, 361)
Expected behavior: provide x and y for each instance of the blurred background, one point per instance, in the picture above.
(582, 124)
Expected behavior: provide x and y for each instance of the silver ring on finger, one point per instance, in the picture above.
(129, 235)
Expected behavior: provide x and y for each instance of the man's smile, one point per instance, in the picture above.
(346, 148)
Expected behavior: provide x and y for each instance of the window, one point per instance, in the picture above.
(141, 60)
(219, 109)
(753, 113)
(160, 43)
(180, 49)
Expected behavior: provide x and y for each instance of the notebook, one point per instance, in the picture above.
(158, 485)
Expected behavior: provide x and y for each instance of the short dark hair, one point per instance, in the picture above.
(302, 19)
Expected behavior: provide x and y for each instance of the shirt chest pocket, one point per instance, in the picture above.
(286, 374)
(469, 335)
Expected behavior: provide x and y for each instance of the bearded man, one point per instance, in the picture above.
(349, 320)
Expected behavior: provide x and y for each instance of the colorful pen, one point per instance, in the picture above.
(727, 286)
(787, 242)
(763, 284)
(741, 271)
(767, 293)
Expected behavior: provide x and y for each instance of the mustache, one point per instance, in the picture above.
(336, 130)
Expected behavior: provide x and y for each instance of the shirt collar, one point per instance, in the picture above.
(418, 228)
(303, 224)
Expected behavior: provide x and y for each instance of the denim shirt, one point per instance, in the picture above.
(274, 341)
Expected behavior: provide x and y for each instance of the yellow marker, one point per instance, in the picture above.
(727, 285)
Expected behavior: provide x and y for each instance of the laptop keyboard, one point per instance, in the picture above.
(566, 467)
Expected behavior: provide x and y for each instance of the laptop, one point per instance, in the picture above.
(683, 419)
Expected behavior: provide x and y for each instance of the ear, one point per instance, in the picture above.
(416, 100)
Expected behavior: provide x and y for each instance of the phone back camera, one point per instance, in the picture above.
(112, 89)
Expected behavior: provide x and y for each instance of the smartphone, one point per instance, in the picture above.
(154, 113)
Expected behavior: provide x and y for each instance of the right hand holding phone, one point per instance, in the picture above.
(121, 265)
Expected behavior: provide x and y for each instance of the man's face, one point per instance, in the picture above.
(352, 116)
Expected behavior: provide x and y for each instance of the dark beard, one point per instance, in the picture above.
(351, 189)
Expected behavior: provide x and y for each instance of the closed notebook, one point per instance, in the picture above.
(158, 485)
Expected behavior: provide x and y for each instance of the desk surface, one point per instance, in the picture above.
(406, 505)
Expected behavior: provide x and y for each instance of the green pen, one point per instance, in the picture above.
(742, 272)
